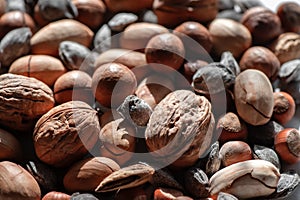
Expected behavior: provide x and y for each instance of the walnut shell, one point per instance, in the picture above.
(22, 101)
(180, 128)
(66, 133)
(16, 183)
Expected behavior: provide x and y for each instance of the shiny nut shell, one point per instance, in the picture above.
(47, 39)
(42, 67)
(56, 196)
(10, 147)
(127, 5)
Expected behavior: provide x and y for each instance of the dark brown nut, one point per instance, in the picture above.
(289, 14)
(263, 24)
(284, 107)
(213, 162)
(73, 85)
(189, 32)
(135, 193)
(112, 83)
(22, 101)
(268, 154)
(229, 35)
(66, 133)
(287, 145)
(85, 175)
(164, 178)
(165, 49)
(56, 196)
(90, 12)
(254, 99)
(230, 62)
(127, 177)
(166, 193)
(286, 47)
(235, 151)
(196, 183)
(103, 40)
(42, 67)
(17, 183)
(54, 33)
(10, 147)
(180, 128)
(117, 140)
(172, 13)
(129, 58)
(190, 68)
(231, 127)
(137, 35)
(153, 88)
(119, 22)
(15, 19)
(127, 5)
(83, 196)
(14, 44)
(261, 58)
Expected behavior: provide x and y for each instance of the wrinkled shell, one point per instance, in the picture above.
(180, 128)
(66, 133)
(164, 178)
(17, 183)
(10, 147)
(22, 101)
(253, 94)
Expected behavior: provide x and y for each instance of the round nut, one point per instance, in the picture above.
(127, 5)
(229, 35)
(10, 147)
(112, 83)
(289, 14)
(56, 196)
(87, 174)
(42, 67)
(262, 59)
(284, 107)
(73, 85)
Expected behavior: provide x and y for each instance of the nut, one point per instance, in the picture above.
(85, 175)
(287, 145)
(127, 5)
(10, 147)
(166, 193)
(196, 183)
(265, 153)
(180, 128)
(17, 183)
(284, 107)
(121, 20)
(289, 14)
(42, 67)
(66, 133)
(253, 94)
(56, 196)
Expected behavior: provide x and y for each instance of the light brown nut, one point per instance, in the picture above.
(247, 179)
(253, 94)
(10, 147)
(17, 183)
(47, 39)
(42, 67)
(85, 175)
(66, 133)
(22, 101)
(180, 128)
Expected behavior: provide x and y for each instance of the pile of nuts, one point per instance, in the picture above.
(149, 99)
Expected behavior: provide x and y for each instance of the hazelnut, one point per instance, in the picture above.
(263, 24)
(289, 14)
(229, 35)
(10, 147)
(56, 196)
(284, 107)
(73, 85)
(287, 145)
(235, 151)
(112, 83)
(231, 128)
(262, 59)
(165, 49)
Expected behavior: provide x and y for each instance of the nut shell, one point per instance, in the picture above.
(128, 5)
(284, 107)
(289, 14)
(56, 196)
(10, 147)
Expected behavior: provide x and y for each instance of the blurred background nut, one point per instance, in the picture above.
(289, 14)
(66, 133)
(263, 24)
(22, 101)
(112, 83)
(287, 145)
(90, 12)
(127, 5)
(136, 36)
(165, 49)
(73, 85)
(42, 67)
(284, 107)
(56, 32)
(3, 5)
(229, 35)
(86, 175)
(17, 183)
(261, 58)
(56, 196)
(254, 99)
(15, 19)
(10, 147)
